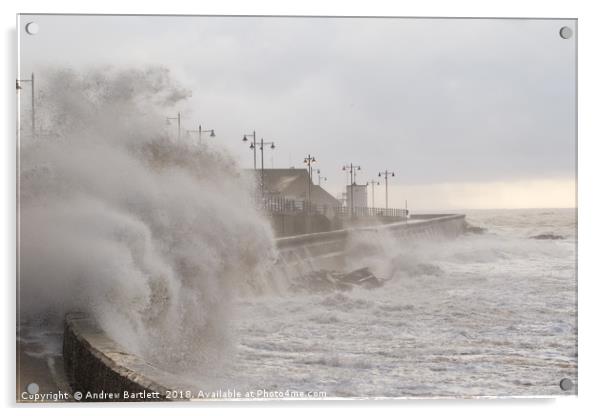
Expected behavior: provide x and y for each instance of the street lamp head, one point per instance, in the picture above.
(359, 168)
(379, 174)
(392, 173)
(313, 159)
(273, 146)
(244, 138)
(344, 168)
(212, 133)
(251, 147)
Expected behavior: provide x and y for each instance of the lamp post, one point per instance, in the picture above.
(253, 146)
(261, 144)
(179, 119)
(200, 132)
(33, 103)
(373, 182)
(308, 161)
(386, 173)
(352, 175)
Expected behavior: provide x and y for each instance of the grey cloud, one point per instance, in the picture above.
(438, 100)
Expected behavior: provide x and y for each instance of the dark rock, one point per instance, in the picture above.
(362, 277)
(548, 236)
(331, 280)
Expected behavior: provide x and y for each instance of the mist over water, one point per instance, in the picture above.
(151, 235)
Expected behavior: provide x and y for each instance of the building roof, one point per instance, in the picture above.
(293, 183)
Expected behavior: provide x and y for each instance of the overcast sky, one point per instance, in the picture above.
(468, 113)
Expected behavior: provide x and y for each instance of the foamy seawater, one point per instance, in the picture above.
(492, 312)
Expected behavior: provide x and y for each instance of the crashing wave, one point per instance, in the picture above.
(151, 235)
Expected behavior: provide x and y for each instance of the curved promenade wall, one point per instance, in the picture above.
(326, 249)
(99, 368)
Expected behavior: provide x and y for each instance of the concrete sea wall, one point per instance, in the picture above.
(101, 370)
(325, 250)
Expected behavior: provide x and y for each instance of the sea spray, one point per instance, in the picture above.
(151, 235)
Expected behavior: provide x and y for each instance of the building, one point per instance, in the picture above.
(357, 196)
(293, 184)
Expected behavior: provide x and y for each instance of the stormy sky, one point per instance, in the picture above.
(468, 113)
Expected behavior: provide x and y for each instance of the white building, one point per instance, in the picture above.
(358, 194)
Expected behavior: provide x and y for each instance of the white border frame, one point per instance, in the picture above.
(590, 31)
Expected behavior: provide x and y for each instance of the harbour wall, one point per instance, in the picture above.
(101, 370)
(328, 249)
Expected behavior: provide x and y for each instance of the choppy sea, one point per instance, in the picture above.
(491, 312)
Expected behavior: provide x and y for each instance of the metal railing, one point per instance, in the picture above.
(372, 212)
(282, 205)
